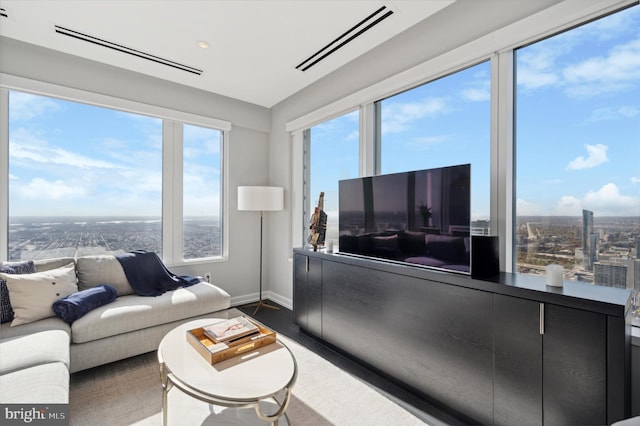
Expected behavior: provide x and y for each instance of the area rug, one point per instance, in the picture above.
(129, 393)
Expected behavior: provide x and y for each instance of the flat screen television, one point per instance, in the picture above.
(420, 217)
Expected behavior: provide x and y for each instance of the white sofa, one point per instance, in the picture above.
(37, 357)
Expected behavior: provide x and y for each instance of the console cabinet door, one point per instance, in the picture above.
(436, 338)
(314, 296)
(300, 310)
(307, 293)
(518, 362)
(575, 367)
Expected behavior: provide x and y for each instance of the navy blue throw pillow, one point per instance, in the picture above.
(78, 304)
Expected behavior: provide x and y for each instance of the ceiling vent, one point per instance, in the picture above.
(3, 12)
(123, 49)
(357, 30)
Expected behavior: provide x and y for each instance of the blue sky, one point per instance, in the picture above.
(72, 159)
(578, 126)
(578, 120)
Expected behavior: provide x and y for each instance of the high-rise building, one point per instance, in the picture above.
(589, 240)
(610, 274)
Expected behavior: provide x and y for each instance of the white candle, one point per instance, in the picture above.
(554, 275)
(330, 246)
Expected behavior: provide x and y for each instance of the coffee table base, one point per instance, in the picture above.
(169, 381)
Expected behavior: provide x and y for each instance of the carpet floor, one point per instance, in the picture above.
(128, 392)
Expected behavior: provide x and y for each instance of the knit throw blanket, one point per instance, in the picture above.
(148, 276)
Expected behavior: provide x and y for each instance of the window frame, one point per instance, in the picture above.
(172, 146)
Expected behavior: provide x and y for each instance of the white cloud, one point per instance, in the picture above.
(601, 74)
(477, 94)
(635, 180)
(27, 146)
(615, 70)
(58, 156)
(41, 189)
(536, 67)
(396, 117)
(610, 113)
(621, 64)
(526, 208)
(608, 201)
(426, 142)
(568, 205)
(13, 177)
(597, 154)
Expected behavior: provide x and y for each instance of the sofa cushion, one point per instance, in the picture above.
(52, 263)
(32, 295)
(102, 269)
(133, 312)
(34, 349)
(41, 384)
(26, 267)
(51, 323)
(77, 304)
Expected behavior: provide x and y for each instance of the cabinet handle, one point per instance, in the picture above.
(542, 318)
(306, 263)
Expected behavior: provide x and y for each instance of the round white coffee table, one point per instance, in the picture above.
(240, 382)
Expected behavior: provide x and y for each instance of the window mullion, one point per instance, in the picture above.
(4, 176)
(502, 156)
(172, 192)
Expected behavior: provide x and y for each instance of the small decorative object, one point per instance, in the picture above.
(330, 246)
(425, 212)
(318, 225)
(554, 275)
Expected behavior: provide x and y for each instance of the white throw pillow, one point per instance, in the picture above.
(32, 295)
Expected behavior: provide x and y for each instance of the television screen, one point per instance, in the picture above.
(420, 217)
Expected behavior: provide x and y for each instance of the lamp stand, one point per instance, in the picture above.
(260, 302)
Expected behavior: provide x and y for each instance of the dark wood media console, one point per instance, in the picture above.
(503, 350)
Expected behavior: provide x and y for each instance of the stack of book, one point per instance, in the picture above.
(230, 330)
(230, 337)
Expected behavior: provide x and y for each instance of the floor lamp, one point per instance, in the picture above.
(260, 198)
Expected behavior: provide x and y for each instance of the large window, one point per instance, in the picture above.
(442, 123)
(578, 150)
(332, 154)
(85, 180)
(202, 187)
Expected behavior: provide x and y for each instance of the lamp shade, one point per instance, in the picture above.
(260, 198)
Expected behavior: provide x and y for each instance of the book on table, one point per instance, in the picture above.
(230, 329)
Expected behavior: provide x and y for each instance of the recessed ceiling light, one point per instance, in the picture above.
(203, 44)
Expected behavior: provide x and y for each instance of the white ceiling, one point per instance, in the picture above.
(254, 45)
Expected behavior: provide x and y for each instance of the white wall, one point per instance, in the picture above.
(247, 149)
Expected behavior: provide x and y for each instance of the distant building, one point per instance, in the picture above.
(589, 241)
(610, 274)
